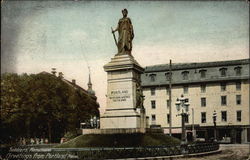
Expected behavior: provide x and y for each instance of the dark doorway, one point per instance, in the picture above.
(200, 134)
(210, 134)
(248, 135)
(176, 135)
(189, 136)
(224, 135)
(238, 135)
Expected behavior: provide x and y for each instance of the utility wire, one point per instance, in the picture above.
(84, 55)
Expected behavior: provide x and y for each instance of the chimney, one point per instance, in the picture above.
(53, 71)
(74, 81)
(60, 75)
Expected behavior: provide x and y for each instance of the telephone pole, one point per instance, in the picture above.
(170, 97)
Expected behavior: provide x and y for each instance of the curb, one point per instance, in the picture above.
(203, 154)
(174, 157)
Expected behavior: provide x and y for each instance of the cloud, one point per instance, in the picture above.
(73, 69)
(38, 41)
(161, 54)
(76, 35)
(144, 54)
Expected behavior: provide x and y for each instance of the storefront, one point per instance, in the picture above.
(224, 134)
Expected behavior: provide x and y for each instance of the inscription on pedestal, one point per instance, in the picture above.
(119, 95)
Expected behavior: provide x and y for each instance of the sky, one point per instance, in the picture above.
(74, 35)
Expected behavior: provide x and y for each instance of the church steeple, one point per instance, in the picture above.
(89, 83)
(90, 90)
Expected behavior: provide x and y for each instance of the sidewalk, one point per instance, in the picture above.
(235, 146)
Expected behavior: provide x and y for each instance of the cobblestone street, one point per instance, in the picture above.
(229, 152)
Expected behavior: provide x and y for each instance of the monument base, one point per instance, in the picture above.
(123, 108)
(122, 131)
(123, 119)
(114, 131)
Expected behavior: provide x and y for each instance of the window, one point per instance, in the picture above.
(186, 118)
(185, 75)
(223, 86)
(223, 100)
(238, 114)
(152, 77)
(153, 106)
(223, 116)
(168, 103)
(203, 88)
(185, 89)
(203, 102)
(237, 71)
(152, 91)
(238, 86)
(223, 72)
(203, 73)
(238, 99)
(153, 117)
(168, 118)
(168, 76)
(203, 117)
(167, 90)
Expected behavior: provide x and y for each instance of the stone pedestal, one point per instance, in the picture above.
(122, 111)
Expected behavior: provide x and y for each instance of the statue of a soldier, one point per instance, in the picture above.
(126, 34)
(139, 97)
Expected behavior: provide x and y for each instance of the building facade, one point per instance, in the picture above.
(212, 87)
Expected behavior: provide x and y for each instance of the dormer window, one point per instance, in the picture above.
(223, 72)
(203, 73)
(152, 77)
(168, 76)
(185, 75)
(237, 71)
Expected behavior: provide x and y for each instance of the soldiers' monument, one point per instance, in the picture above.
(124, 112)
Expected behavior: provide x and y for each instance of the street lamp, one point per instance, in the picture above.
(214, 120)
(91, 122)
(182, 106)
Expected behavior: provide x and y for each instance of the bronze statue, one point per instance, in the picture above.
(139, 96)
(126, 34)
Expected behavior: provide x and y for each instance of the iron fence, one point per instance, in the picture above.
(115, 153)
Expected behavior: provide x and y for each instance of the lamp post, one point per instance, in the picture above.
(193, 131)
(91, 122)
(182, 106)
(214, 120)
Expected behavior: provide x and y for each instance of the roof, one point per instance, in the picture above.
(157, 75)
(180, 66)
(72, 84)
(80, 88)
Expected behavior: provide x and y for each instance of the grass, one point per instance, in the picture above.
(120, 140)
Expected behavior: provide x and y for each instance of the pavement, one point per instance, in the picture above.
(228, 152)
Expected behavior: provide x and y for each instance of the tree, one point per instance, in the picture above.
(42, 105)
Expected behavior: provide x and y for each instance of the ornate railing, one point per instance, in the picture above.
(116, 153)
(202, 147)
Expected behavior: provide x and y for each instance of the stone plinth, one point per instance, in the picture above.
(123, 80)
(114, 131)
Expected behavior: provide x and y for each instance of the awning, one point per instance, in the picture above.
(174, 131)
